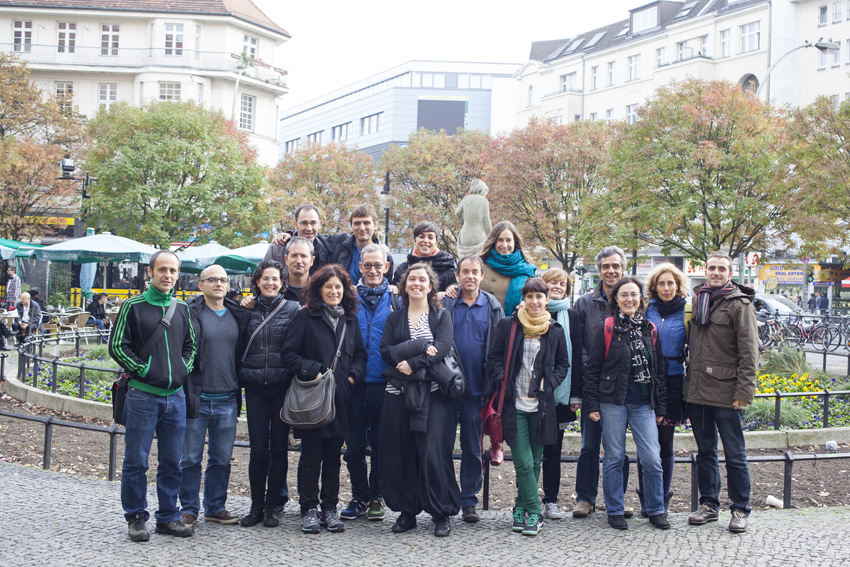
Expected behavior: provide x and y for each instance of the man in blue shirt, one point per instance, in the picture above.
(474, 314)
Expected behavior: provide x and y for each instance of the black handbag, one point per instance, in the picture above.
(453, 384)
(309, 404)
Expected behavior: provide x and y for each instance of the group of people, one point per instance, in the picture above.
(28, 307)
(334, 303)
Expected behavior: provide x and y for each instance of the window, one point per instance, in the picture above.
(821, 59)
(593, 117)
(725, 43)
(847, 50)
(836, 12)
(199, 97)
(107, 93)
(109, 39)
(568, 82)
(703, 46)
(610, 73)
(686, 10)
(750, 36)
(174, 39)
(609, 114)
(23, 36)
(645, 19)
(822, 15)
(67, 39)
(292, 145)
(558, 119)
(371, 124)
(599, 36)
(660, 57)
(65, 93)
(835, 100)
(684, 51)
(314, 138)
(169, 91)
(246, 113)
(631, 113)
(530, 100)
(594, 77)
(339, 133)
(623, 31)
(836, 57)
(249, 46)
(197, 42)
(634, 67)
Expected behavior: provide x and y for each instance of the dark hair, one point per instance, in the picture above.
(497, 229)
(612, 299)
(471, 258)
(535, 285)
(432, 276)
(97, 296)
(364, 210)
(258, 273)
(299, 240)
(307, 208)
(425, 226)
(157, 254)
(313, 292)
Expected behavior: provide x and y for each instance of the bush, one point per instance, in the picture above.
(59, 300)
(783, 361)
(762, 410)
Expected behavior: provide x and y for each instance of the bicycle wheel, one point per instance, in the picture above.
(796, 338)
(821, 337)
(765, 340)
(834, 338)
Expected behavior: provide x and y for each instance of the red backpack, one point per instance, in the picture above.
(609, 333)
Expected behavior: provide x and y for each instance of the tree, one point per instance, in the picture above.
(430, 175)
(703, 168)
(170, 169)
(334, 177)
(542, 174)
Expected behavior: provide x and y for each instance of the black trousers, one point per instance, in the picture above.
(551, 469)
(415, 471)
(269, 438)
(320, 458)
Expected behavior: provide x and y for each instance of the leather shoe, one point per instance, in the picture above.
(442, 527)
(628, 512)
(738, 524)
(470, 516)
(582, 509)
(703, 515)
(175, 528)
(189, 519)
(223, 517)
(497, 454)
(660, 522)
(404, 523)
(618, 522)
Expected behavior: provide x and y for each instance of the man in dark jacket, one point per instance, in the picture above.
(29, 316)
(97, 312)
(364, 224)
(475, 315)
(213, 398)
(823, 304)
(309, 225)
(720, 382)
(156, 402)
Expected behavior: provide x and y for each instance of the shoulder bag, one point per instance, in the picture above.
(491, 413)
(456, 387)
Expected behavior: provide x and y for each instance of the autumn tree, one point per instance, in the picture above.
(168, 169)
(703, 168)
(334, 177)
(428, 178)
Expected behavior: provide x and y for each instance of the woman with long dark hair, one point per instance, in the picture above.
(329, 319)
(506, 265)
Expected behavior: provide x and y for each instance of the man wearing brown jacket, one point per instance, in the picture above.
(720, 382)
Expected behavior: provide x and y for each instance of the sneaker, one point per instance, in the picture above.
(738, 524)
(137, 528)
(660, 522)
(175, 528)
(376, 511)
(223, 517)
(330, 520)
(354, 510)
(281, 507)
(442, 527)
(519, 519)
(470, 516)
(310, 521)
(534, 525)
(254, 517)
(618, 522)
(270, 519)
(582, 509)
(404, 523)
(550, 510)
(703, 515)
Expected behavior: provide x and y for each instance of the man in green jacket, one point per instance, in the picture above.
(156, 402)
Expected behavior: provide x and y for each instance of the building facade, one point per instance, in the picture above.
(224, 55)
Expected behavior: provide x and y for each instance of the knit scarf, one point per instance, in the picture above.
(665, 309)
(706, 296)
(333, 313)
(560, 308)
(514, 266)
(635, 327)
(371, 296)
(533, 327)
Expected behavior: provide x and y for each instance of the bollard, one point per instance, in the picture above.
(82, 383)
(824, 361)
(77, 341)
(485, 495)
(826, 408)
(113, 450)
(48, 441)
(786, 496)
(777, 412)
(694, 483)
(3, 366)
(21, 371)
(53, 384)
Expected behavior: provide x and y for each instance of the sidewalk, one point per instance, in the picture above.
(54, 519)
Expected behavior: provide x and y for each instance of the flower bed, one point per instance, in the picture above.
(98, 384)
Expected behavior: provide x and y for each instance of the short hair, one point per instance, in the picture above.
(425, 226)
(478, 187)
(610, 251)
(432, 276)
(155, 256)
(369, 248)
(299, 240)
(363, 210)
(97, 296)
(471, 258)
(660, 270)
(497, 229)
(307, 208)
(206, 270)
(719, 254)
(258, 273)
(556, 274)
(313, 292)
(535, 285)
(612, 299)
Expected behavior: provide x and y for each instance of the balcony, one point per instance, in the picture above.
(138, 58)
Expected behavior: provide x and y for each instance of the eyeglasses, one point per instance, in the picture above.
(370, 267)
(214, 280)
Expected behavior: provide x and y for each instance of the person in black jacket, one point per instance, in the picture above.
(364, 224)
(266, 379)
(416, 441)
(425, 250)
(625, 382)
(327, 322)
(98, 317)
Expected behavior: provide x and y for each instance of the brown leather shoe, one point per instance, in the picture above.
(189, 519)
(628, 512)
(582, 509)
(223, 517)
(738, 524)
(703, 515)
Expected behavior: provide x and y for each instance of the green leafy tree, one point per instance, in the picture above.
(168, 169)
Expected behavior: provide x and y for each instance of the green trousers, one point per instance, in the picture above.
(527, 456)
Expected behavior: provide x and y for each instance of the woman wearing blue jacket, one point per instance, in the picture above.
(668, 310)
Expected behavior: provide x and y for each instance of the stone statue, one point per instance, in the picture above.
(474, 213)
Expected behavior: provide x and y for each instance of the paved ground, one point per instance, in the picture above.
(54, 519)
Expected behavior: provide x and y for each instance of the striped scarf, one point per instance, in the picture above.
(706, 296)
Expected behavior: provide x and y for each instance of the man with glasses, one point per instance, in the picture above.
(308, 225)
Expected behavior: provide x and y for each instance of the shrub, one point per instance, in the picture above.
(783, 361)
(762, 410)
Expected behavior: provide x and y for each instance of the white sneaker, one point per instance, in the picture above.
(551, 511)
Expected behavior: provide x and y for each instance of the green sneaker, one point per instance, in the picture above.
(375, 511)
(534, 525)
(519, 519)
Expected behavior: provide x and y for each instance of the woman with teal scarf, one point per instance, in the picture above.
(506, 267)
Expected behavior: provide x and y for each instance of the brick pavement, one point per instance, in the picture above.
(54, 519)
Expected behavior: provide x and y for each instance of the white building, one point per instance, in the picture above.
(102, 51)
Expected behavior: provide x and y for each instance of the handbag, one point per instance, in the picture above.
(309, 404)
(457, 387)
(491, 413)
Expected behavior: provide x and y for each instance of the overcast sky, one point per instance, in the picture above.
(337, 42)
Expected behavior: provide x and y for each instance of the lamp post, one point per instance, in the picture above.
(67, 167)
(385, 193)
(828, 47)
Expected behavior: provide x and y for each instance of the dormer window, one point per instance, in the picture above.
(645, 19)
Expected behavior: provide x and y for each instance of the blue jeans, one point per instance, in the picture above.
(146, 414)
(706, 423)
(468, 416)
(587, 467)
(219, 417)
(641, 420)
(365, 421)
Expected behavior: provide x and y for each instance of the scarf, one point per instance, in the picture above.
(635, 326)
(371, 296)
(706, 296)
(533, 327)
(671, 307)
(514, 266)
(560, 308)
(333, 313)
(267, 304)
(418, 255)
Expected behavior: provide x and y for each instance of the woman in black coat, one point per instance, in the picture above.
(425, 250)
(266, 379)
(330, 309)
(417, 428)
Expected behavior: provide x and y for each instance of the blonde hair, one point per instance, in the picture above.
(657, 272)
(557, 274)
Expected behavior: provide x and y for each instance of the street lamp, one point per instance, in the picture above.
(827, 47)
(67, 167)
